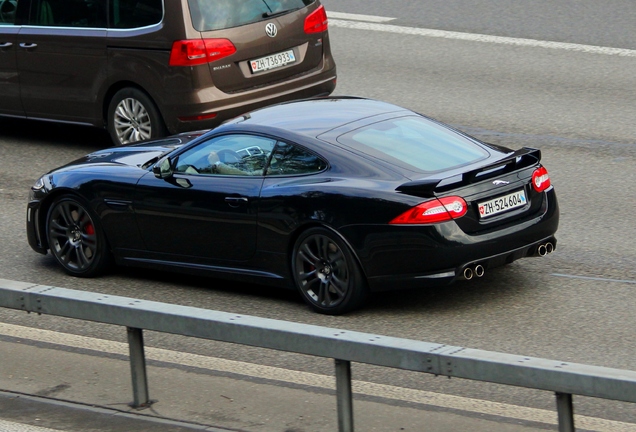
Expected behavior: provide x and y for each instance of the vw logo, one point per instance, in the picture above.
(500, 182)
(271, 30)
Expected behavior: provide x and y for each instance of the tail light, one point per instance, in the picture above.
(434, 211)
(540, 179)
(193, 52)
(198, 117)
(316, 22)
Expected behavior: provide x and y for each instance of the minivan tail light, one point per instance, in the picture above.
(316, 22)
(193, 52)
(540, 179)
(434, 211)
(198, 117)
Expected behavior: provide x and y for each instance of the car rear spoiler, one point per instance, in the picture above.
(522, 158)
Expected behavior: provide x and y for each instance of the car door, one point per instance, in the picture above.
(9, 80)
(61, 57)
(206, 210)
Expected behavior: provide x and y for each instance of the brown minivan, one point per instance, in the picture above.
(147, 68)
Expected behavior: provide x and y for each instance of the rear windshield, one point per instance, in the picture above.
(221, 14)
(414, 143)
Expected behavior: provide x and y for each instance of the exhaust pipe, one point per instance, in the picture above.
(468, 273)
(473, 271)
(479, 270)
(542, 250)
(549, 247)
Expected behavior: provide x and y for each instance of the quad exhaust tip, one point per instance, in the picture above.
(544, 249)
(473, 271)
(468, 273)
(479, 270)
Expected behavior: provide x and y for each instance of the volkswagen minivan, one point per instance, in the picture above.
(147, 68)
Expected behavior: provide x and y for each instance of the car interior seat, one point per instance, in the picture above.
(45, 14)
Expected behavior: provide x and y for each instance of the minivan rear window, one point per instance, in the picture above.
(123, 14)
(126, 14)
(221, 14)
(414, 143)
(65, 13)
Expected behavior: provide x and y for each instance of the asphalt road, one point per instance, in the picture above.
(609, 23)
(576, 106)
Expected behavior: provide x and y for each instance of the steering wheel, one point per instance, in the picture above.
(7, 11)
(228, 156)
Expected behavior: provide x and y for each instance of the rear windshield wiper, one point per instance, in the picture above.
(275, 14)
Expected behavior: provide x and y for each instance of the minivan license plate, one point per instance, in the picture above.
(272, 61)
(502, 204)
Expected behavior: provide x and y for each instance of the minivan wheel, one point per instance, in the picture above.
(326, 273)
(133, 117)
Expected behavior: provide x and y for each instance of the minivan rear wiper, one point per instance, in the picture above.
(275, 14)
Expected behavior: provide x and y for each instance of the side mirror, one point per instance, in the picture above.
(163, 169)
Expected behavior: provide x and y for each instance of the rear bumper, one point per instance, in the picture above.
(460, 272)
(226, 106)
(395, 257)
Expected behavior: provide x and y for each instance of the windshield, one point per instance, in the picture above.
(221, 14)
(414, 143)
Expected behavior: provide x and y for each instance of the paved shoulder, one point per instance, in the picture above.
(26, 413)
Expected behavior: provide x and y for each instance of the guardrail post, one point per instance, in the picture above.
(138, 367)
(344, 396)
(565, 412)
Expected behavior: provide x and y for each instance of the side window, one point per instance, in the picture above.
(235, 155)
(7, 11)
(68, 13)
(125, 14)
(289, 159)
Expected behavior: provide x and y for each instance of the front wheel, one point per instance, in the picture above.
(76, 239)
(133, 117)
(326, 273)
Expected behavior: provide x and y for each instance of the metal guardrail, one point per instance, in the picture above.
(564, 379)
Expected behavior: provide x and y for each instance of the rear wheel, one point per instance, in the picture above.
(326, 273)
(133, 117)
(76, 239)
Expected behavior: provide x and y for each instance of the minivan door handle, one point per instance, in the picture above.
(28, 46)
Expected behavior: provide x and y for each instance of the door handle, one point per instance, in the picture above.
(235, 201)
(28, 46)
(5, 45)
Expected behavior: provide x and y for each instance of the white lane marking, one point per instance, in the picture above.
(357, 17)
(6, 426)
(315, 380)
(474, 37)
(627, 281)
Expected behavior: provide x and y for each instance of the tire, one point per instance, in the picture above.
(76, 238)
(326, 273)
(133, 117)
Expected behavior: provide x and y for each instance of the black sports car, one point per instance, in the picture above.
(336, 197)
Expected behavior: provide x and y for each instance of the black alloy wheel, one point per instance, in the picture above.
(76, 239)
(133, 117)
(326, 273)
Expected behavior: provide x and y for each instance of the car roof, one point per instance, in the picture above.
(313, 117)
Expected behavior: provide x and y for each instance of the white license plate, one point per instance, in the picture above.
(273, 61)
(502, 204)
